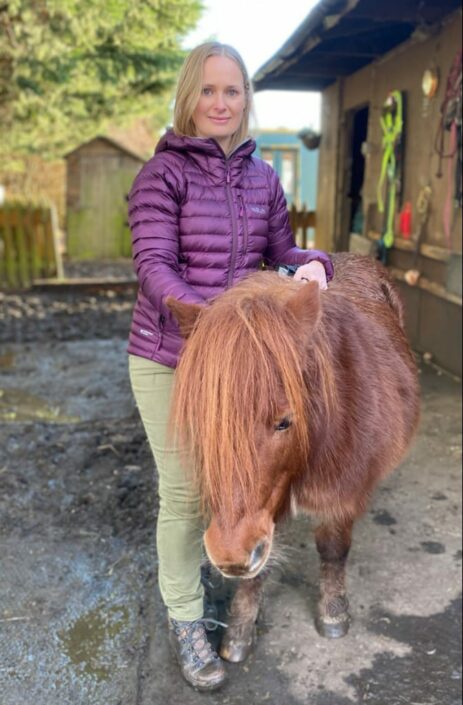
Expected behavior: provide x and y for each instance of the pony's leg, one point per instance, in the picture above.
(240, 634)
(333, 543)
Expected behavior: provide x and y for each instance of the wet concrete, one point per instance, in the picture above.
(81, 619)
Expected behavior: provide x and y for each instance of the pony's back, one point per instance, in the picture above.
(360, 277)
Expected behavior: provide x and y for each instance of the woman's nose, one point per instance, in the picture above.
(219, 103)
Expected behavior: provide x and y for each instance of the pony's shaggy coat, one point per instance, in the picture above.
(337, 363)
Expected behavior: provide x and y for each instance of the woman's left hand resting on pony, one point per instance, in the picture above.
(312, 271)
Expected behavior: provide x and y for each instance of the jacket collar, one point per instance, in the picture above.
(198, 145)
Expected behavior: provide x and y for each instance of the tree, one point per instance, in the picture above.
(70, 67)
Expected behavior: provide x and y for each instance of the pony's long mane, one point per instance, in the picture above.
(245, 361)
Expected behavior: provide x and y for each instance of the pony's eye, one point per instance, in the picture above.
(283, 424)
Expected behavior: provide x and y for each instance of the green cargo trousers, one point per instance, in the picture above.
(180, 525)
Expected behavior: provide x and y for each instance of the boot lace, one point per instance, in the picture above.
(193, 638)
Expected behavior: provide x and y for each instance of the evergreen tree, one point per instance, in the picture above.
(70, 67)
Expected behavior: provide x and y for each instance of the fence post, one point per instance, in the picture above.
(57, 259)
(300, 222)
(34, 258)
(9, 253)
(21, 246)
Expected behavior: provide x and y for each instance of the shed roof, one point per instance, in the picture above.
(339, 37)
(117, 145)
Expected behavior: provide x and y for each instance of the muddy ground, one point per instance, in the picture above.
(81, 619)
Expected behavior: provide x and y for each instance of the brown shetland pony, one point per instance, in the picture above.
(293, 399)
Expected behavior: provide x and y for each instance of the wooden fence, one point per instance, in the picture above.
(29, 242)
(302, 221)
(28, 245)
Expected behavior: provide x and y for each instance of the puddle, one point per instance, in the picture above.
(86, 642)
(16, 405)
(7, 361)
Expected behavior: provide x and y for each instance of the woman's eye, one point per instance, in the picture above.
(207, 91)
(283, 424)
(232, 92)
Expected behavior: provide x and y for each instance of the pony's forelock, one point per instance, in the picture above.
(244, 359)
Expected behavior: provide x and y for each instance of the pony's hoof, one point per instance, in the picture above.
(332, 630)
(236, 650)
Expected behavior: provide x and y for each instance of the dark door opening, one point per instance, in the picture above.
(359, 136)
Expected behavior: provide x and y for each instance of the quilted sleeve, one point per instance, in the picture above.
(154, 206)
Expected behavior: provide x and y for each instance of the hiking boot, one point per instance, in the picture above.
(201, 667)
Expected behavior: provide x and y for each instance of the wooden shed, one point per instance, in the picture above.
(359, 53)
(99, 175)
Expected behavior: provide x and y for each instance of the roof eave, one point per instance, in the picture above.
(326, 12)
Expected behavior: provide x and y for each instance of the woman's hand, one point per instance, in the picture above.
(313, 271)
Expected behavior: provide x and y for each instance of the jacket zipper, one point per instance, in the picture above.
(244, 215)
(234, 231)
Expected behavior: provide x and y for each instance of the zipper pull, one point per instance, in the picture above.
(228, 176)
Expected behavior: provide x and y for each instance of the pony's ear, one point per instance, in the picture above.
(305, 305)
(185, 314)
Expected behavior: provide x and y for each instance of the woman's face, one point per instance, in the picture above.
(220, 108)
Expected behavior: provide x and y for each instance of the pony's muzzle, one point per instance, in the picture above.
(249, 568)
(241, 549)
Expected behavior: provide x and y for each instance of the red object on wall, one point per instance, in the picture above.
(405, 225)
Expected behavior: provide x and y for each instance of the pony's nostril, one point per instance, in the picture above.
(231, 570)
(257, 554)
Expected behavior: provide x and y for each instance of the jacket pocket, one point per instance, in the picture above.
(161, 323)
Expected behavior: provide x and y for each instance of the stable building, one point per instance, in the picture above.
(389, 171)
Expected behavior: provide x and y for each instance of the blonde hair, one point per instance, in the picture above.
(189, 90)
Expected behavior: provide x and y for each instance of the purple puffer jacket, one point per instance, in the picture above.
(200, 222)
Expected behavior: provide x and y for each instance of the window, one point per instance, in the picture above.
(267, 156)
(288, 174)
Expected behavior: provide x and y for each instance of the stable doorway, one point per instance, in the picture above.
(354, 172)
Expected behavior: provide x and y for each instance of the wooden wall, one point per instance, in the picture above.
(99, 178)
(327, 168)
(401, 70)
(434, 305)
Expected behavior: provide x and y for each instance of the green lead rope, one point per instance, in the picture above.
(391, 122)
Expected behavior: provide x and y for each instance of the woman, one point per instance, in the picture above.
(203, 213)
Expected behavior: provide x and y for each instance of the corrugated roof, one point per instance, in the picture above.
(339, 37)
